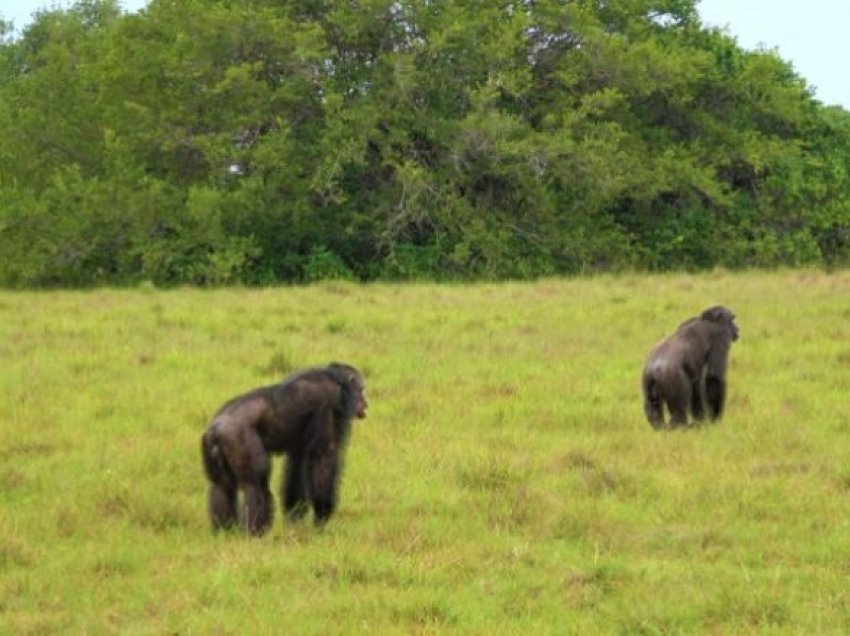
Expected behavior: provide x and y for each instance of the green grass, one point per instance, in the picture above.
(505, 481)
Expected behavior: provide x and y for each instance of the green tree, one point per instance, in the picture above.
(215, 142)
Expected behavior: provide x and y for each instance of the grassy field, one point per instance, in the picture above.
(505, 481)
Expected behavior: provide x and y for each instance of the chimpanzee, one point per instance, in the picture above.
(687, 370)
(308, 418)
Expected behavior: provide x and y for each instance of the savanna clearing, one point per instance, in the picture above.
(504, 482)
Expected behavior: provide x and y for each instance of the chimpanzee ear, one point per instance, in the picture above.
(713, 314)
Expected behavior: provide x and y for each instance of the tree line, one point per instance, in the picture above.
(260, 141)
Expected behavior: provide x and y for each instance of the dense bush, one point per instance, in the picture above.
(212, 142)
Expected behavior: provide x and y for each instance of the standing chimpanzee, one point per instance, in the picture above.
(687, 371)
(308, 418)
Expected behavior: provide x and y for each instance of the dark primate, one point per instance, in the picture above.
(687, 370)
(307, 417)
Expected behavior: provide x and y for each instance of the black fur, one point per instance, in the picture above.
(687, 371)
(308, 418)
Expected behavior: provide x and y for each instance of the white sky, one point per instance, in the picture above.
(20, 11)
(811, 34)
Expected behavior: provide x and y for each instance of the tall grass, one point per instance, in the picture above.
(504, 482)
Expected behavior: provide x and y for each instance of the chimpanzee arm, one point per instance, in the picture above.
(294, 486)
(715, 379)
(323, 465)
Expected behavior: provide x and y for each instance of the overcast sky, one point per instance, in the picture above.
(20, 11)
(811, 34)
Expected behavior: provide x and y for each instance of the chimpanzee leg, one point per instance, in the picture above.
(653, 405)
(222, 506)
(697, 400)
(221, 500)
(294, 487)
(678, 415)
(678, 402)
(258, 496)
(258, 505)
(251, 466)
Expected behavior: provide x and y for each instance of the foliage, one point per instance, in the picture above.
(213, 142)
(504, 482)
